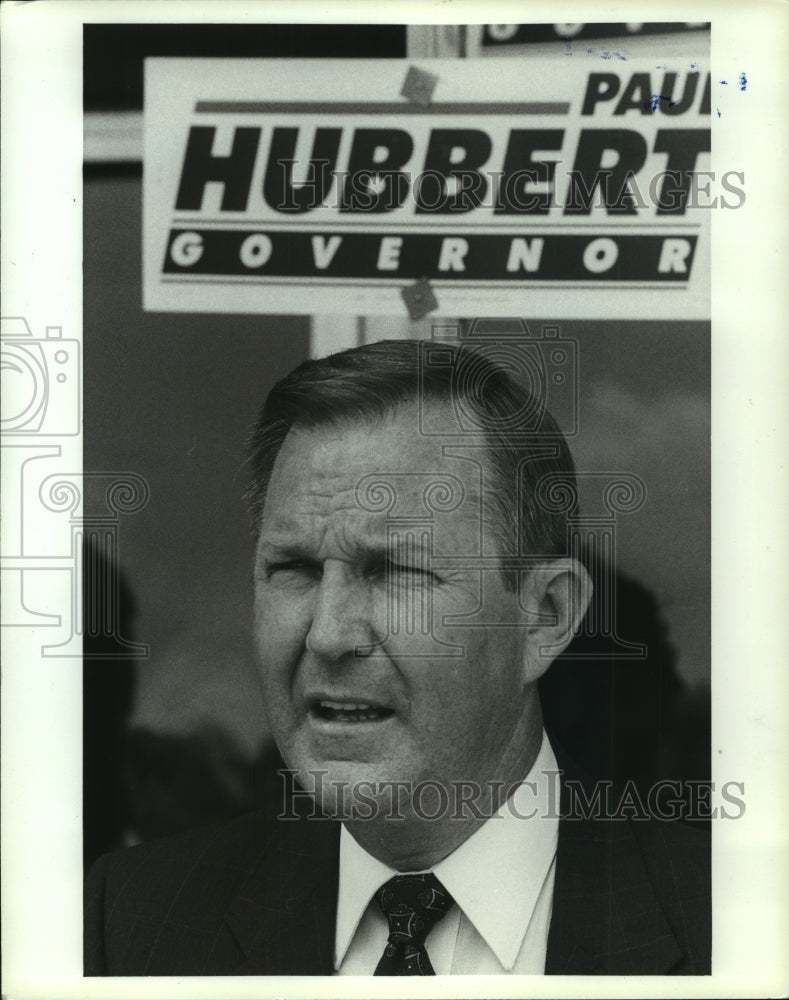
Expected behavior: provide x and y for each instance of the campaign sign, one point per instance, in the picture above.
(548, 186)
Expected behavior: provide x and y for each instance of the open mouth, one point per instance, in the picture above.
(349, 711)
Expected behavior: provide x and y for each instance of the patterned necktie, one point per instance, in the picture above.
(412, 904)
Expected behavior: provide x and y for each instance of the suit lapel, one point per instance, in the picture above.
(606, 918)
(283, 917)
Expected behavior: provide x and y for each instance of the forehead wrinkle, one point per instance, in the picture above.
(321, 485)
(290, 503)
(356, 528)
(351, 535)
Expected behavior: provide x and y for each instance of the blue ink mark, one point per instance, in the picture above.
(654, 102)
(663, 66)
(694, 66)
(589, 52)
(743, 81)
(724, 82)
(719, 112)
(605, 55)
(568, 46)
(620, 56)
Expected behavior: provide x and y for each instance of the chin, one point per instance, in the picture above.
(354, 790)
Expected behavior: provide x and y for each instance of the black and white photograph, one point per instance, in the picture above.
(386, 519)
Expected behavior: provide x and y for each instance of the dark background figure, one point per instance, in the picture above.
(108, 695)
(628, 720)
(174, 783)
(140, 784)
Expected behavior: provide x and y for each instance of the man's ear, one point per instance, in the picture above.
(554, 599)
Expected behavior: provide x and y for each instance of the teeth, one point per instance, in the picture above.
(346, 706)
(351, 711)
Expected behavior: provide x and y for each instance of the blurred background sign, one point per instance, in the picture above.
(404, 187)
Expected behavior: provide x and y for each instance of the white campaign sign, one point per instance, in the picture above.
(548, 186)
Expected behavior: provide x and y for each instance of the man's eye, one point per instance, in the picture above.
(410, 573)
(292, 567)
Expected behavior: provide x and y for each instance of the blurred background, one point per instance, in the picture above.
(178, 737)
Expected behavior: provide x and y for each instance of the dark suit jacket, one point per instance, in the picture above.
(257, 897)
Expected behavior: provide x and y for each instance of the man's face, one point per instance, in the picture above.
(349, 617)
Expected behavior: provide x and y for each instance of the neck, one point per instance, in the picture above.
(415, 842)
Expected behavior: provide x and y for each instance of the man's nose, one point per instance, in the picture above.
(341, 619)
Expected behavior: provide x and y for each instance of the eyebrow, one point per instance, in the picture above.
(275, 550)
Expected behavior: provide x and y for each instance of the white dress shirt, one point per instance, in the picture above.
(501, 879)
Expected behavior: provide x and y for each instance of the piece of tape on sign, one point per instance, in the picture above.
(419, 299)
(418, 86)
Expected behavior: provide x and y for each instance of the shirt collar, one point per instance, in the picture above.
(361, 876)
(495, 876)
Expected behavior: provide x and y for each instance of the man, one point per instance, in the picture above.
(412, 583)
